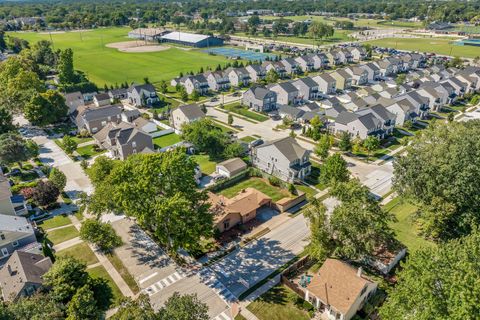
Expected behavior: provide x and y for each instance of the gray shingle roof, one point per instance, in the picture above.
(346, 117)
(288, 146)
(102, 112)
(260, 92)
(191, 111)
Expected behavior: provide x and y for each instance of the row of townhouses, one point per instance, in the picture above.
(238, 77)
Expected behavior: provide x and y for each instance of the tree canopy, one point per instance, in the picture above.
(206, 137)
(14, 148)
(101, 234)
(439, 173)
(161, 192)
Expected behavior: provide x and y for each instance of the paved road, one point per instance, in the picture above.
(245, 267)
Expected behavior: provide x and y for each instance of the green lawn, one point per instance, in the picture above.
(62, 235)
(314, 177)
(279, 303)
(205, 164)
(309, 191)
(80, 252)
(243, 111)
(108, 65)
(166, 140)
(81, 140)
(440, 46)
(55, 222)
(257, 183)
(248, 139)
(100, 272)
(88, 152)
(120, 267)
(405, 228)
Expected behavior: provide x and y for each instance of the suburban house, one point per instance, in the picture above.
(231, 167)
(326, 83)
(283, 158)
(144, 125)
(260, 99)
(94, 119)
(286, 92)
(347, 55)
(305, 63)
(403, 110)
(130, 115)
(291, 65)
(256, 72)
(240, 209)
(123, 140)
(74, 100)
(338, 289)
(333, 111)
(10, 204)
(307, 88)
(359, 75)
(373, 71)
(292, 113)
(459, 86)
(186, 114)
(469, 80)
(101, 99)
(142, 95)
(15, 233)
(196, 83)
(385, 68)
(217, 80)
(360, 126)
(22, 275)
(238, 76)
(358, 53)
(343, 79)
(436, 99)
(118, 94)
(335, 57)
(381, 113)
(277, 66)
(386, 257)
(356, 104)
(420, 102)
(320, 60)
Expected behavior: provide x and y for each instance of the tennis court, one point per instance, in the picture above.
(241, 54)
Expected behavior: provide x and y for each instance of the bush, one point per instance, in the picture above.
(19, 187)
(101, 234)
(27, 166)
(274, 181)
(292, 189)
(84, 164)
(45, 193)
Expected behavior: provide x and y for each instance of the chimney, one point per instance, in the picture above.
(359, 272)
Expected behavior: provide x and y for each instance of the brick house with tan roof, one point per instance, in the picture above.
(237, 210)
(339, 290)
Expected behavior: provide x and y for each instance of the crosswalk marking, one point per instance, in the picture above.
(223, 316)
(218, 287)
(148, 278)
(163, 283)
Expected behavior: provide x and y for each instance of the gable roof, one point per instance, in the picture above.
(191, 111)
(338, 284)
(291, 111)
(139, 87)
(308, 81)
(233, 164)
(260, 92)
(102, 112)
(22, 268)
(288, 146)
(15, 224)
(286, 86)
(102, 96)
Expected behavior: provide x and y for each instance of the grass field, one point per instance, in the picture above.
(257, 183)
(405, 228)
(80, 252)
(100, 272)
(55, 222)
(87, 151)
(279, 303)
(166, 140)
(206, 166)
(62, 235)
(439, 46)
(108, 65)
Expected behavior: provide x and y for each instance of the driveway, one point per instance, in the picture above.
(245, 267)
(159, 277)
(53, 155)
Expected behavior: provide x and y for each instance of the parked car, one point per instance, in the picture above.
(255, 143)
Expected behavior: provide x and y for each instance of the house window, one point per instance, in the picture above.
(134, 144)
(15, 243)
(4, 252)
(2, 236)
(134, 151)
(226, 224)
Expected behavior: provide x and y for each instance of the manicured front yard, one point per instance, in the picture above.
(166, 140)
(243, 111)
(62, 235)
(100, 272)
(206, 166)
(405, 229)
(88, 152)
(248, 139)
(260, 184)
(80, 252)
(57, 221)
(279, 303)
(314, 177)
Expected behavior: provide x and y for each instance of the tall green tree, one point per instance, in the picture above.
(138, 309)
(83, 305)
(100, 234)
(14, 148)
(438, 282)
(321, 244)
(323, 146)
(334, 170)
(184, 307)
(66, 72)
(438, 173)
(206, 137)
(161, 192)
(370, 144)
(100, 169)
(46, 108)
(58, 178)
(68, 144)
(36, 307)
(6, 120)
(272, 76)
(345, 143)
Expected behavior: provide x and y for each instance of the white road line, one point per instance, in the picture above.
(222, 316)
(163, 283)
(148, 278)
